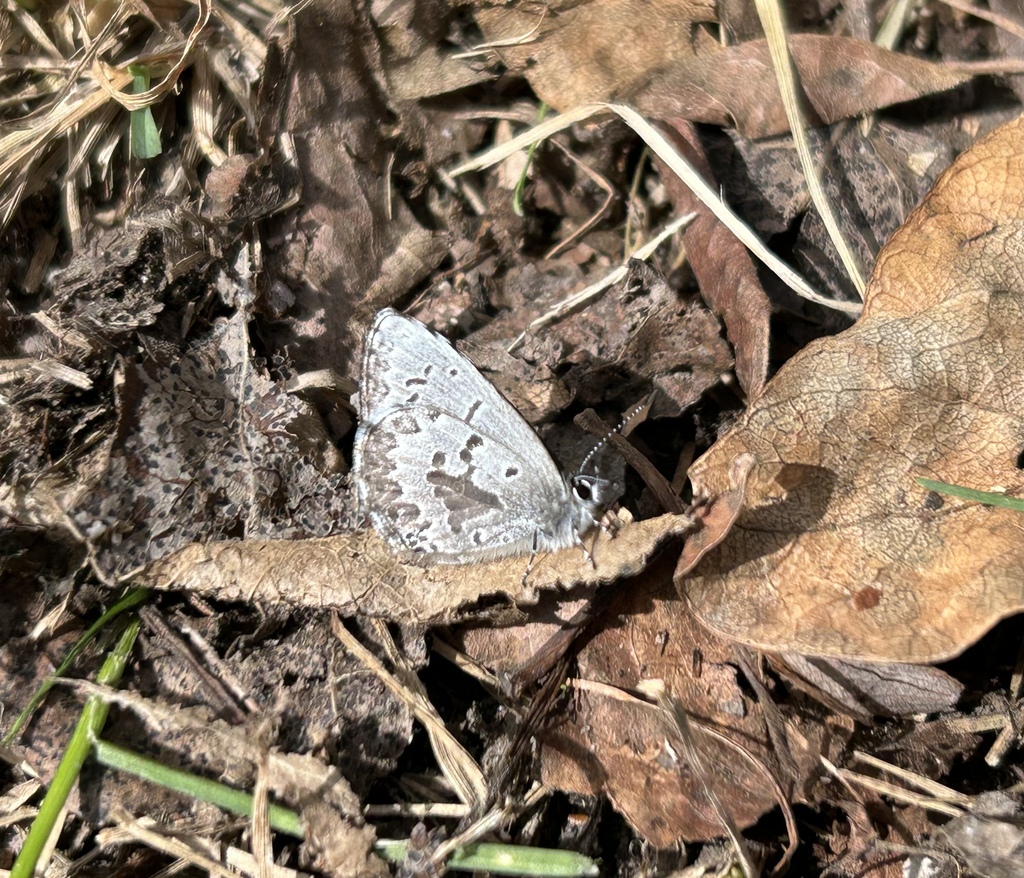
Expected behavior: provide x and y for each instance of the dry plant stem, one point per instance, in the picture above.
(73, 214)
(608, 691)
(675, 711)
(792, 833)
(213, 685)
(455, 762)
(466, 190)
(492, 821)
(599, 181)
(577, 301)
(508, 41)
(883, 788)
(936, 796)
(1002, 67)
(785, 763)
(230, 683)
(660, 146)
(204, 118)
(469, 666)
(1007, 738)
(188, 851)
(1010, 25)
(262, 847)
(931, 787)
(418, 811)
(770, 13)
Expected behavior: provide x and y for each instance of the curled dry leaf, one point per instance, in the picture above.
(865, 690)
(358, 573)
(723, 267)
(839, 552)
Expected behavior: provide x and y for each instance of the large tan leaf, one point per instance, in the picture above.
(839, 552)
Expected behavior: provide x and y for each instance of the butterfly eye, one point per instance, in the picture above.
(582, 488)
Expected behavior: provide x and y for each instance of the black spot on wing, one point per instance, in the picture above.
(464, 499)
(472, 443)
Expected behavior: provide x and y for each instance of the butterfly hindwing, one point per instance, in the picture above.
(466, 497)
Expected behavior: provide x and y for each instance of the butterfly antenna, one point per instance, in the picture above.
(639, 408)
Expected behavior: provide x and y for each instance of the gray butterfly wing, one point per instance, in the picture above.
(426, 412)
(405, 363)
(438, 487)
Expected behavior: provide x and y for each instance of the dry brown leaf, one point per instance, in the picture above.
(717, 518)
(358, 573)
(866, 690)
(723, 267)
(842, 77)
(648, 54)
(611, 743)
(336, 244)
(839, 552)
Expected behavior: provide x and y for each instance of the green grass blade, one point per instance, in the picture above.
(499, 859)
(201, 788)
(989, 498)
(506, 859)
(94, 715)
(132, 598)
(520, 190)
(144, 135)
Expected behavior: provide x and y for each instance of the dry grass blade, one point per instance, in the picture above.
(775, 31)
(1010, 25)
(20, 148)
(154, 93)
(204, 854)
(936, 797)
(584, 297)
(66, 81)
(458, 766)
(661, 147)
(674, 710)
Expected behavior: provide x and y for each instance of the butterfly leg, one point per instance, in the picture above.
(588, 555)
(533, 559)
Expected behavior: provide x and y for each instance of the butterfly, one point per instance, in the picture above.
(446, 468)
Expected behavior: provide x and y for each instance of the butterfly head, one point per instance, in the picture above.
(592, 496)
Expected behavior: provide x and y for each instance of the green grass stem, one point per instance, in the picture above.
(989, 498)
(90, 724)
